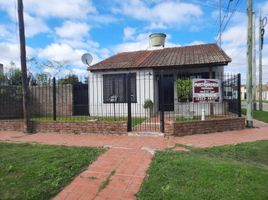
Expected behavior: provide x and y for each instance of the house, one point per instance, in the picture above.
(264, 92)
(243, 91)
(108, 79)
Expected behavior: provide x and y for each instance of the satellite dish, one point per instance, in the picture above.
(87, 59)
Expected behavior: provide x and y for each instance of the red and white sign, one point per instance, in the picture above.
(206, 90)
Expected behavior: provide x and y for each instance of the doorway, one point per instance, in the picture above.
(168, 92)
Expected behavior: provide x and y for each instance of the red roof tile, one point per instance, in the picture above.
(197, 55)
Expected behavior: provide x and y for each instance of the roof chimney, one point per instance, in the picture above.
(157, 40)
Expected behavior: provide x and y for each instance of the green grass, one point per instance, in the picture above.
(221, 173)
(259, 115)
(31, 171)
(135, 120)
(185, 119)
(79, 119)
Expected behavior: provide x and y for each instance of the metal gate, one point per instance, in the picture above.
(80, 99)
(172, 100)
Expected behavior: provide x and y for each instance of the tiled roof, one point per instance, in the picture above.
(197, 55)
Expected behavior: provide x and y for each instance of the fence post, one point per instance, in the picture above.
(161, 93)
(239, 94)
(129, 123)
(54, 103)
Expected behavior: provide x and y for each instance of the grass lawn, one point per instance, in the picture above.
(135, 120)
(221, 173)
(31, 171)
(259, 115)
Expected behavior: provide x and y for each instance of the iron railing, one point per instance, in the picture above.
(147, 100)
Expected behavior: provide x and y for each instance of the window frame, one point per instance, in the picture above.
(123, 76)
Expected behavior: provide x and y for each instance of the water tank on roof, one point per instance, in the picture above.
(157, 39)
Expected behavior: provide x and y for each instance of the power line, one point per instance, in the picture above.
(232, 13)
(228, 11)
(221, 20)
(228, 20)
(201, 2)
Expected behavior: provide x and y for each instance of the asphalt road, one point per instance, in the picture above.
(265, 105)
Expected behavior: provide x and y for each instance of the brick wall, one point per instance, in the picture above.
(178, 128)
(208, 126)
(11, 125)
(67, 127)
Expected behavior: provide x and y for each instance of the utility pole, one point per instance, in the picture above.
(260, 61)
(262, 24)
(23, 67)
(220, 22)
(254, 62)
(249, 73)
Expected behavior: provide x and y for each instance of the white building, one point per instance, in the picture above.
(108, 79)
(264, 92)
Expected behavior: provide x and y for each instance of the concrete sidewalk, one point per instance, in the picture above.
(118, 173)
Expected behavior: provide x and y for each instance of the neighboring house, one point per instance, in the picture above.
(264, 92)
(107, 79)
(243, 91)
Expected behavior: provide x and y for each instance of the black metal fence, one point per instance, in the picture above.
(148, 100)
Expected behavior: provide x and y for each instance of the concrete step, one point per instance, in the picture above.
(155, 134)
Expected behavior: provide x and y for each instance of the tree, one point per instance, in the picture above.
(42, 78)
(3, 78)
(184, 89)
(14, 76)
(69, 79)
(54, 67)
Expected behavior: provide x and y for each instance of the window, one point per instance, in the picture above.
(115, 88)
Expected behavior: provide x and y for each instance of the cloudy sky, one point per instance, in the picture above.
(63, 30)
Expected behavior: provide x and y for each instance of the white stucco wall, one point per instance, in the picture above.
(144, 90)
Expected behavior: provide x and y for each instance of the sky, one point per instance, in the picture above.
(63, 30)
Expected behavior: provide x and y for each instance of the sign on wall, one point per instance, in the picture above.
(206, 90)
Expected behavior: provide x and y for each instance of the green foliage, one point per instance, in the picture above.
(148, 104)
(3, 78)
(42, 78)
(231, 172)
(69, 79)
(184, 89)
(11, 86)
(40, 171)
(14, 76)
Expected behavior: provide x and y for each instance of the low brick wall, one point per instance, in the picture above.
(67, 127)
(11, 125)
(208, 126)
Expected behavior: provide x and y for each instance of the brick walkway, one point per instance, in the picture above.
(124, 165)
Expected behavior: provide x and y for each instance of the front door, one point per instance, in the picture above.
(168, 92)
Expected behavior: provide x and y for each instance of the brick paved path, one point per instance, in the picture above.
(124, 165)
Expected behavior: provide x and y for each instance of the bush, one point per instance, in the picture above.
(148, 104)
